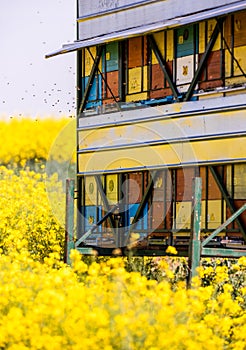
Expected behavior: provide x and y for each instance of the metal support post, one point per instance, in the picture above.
(69, 224)
(195, 243)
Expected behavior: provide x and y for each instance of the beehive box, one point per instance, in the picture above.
(110, 85)
(235, 29)
(110, 61)
(186, 41)
(131, 210)
(211, 77)
(206, 29)
(92, 215)
(185, 68)
(184, 184)
(112, 188)
(137, 52)
(233, 73)
(165, 44)
(95, 95)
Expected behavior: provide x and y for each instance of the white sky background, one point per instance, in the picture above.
(31, 85)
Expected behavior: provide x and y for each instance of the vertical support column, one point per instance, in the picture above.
(69, 224)
(195, 243)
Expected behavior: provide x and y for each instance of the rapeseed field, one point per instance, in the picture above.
(96, 303)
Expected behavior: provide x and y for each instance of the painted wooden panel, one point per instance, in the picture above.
(160, 41)
(185, 41)
(214, 215)
(137, 52)
(137, 97)
(158, 77)
(170, 45)
(111, 57)
(131, 210)
(183, 214)
(137, 79)
(135, 187)
(112, 188)
(234, 76)
(159, 190)
(238, 204)
(239, 181)
(95, 95)
(165, 43)
(240, 28)
(184, 183)
(110, 85)
(202, 31)
(157, 215)
(206, 29)
(213, 189)
(161, 93)
(210, 28)
(209, 185)
(185, 71)
(212, 73)
(236, 24)
(89, 60)
(90, 191)
(92, 215)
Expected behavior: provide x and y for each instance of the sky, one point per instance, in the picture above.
(31, 85)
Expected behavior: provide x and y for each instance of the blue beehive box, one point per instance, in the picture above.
(111, 58)
(93, 214)
(95, 96)
(186, 38)
(131, 210)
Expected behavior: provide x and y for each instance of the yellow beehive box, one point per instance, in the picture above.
(159, 39)
(137, 79)
(112, 188)
(239, 180)
(214, 214)
(90, 190)
(164, 41)
(169, 46)
(204, 37)
(89, 60)
(183, 214)
(234, 76)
